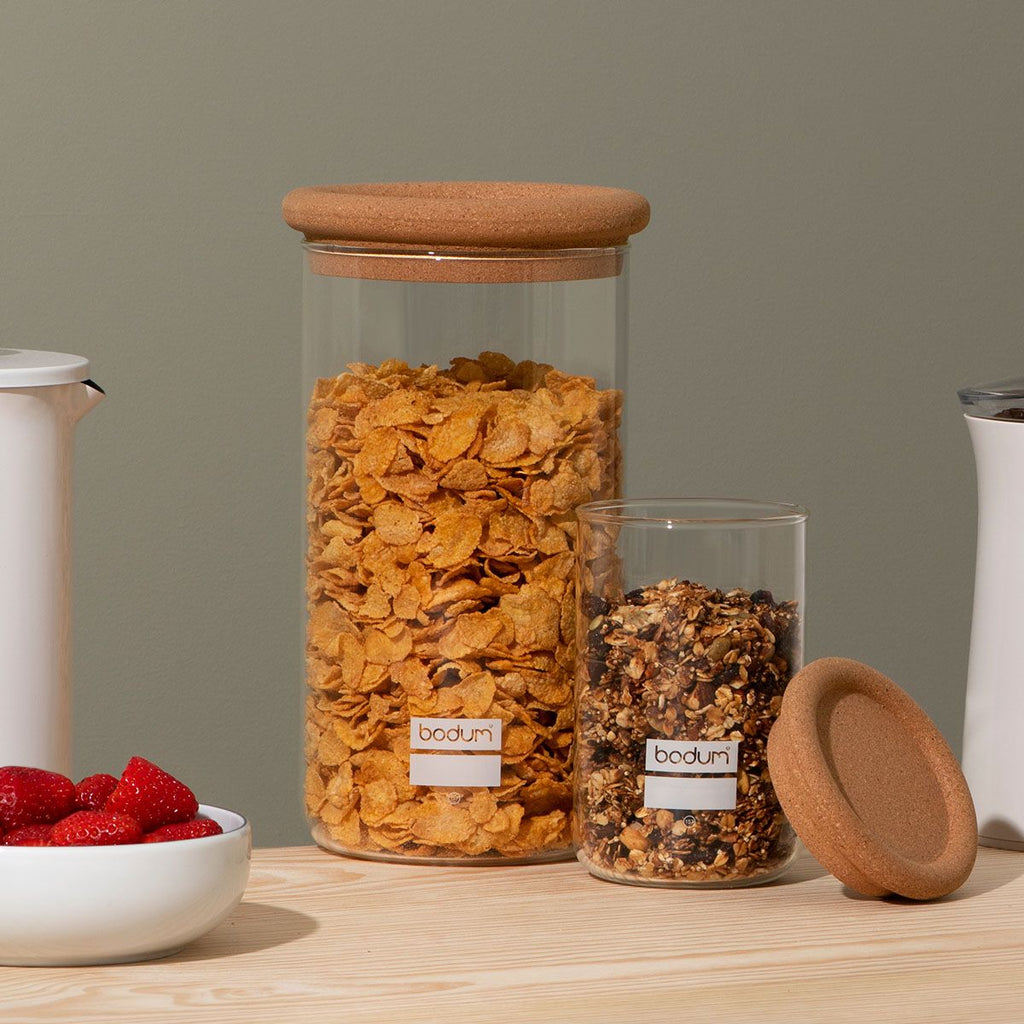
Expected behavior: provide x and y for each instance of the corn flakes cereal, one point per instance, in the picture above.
(440, 562)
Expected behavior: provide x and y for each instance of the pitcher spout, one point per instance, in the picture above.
(87, 396)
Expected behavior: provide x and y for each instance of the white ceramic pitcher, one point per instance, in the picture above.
(42, 396)
(994, 715)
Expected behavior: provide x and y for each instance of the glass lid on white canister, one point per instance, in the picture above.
(1003, 400)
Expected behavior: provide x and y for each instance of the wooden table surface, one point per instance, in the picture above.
(321, 938)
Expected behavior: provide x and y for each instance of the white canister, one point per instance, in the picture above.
(995, 678)
(42, 396)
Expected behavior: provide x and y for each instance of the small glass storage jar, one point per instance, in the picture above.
(690, 626)
(464, 355)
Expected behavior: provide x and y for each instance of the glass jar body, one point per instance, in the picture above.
(690, 625)
(460, 408)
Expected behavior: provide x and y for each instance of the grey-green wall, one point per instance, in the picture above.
(837, 244)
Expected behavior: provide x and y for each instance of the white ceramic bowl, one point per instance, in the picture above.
(73, 905)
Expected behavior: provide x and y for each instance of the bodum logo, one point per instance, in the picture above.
(693, 757)
(465, 737)
(455, 734)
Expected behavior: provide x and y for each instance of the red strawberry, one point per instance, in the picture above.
(92, 792)
(151, 796)
(195, 829)
(28, 835)
(96, 828)
(33, 796)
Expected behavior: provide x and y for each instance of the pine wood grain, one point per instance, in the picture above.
(320, 938)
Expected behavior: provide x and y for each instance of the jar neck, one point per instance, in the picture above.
(454, 265)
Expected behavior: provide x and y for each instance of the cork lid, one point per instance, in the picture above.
(870, 785)
(466, 230)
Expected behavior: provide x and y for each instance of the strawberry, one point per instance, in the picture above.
(33, 796)
(195, 829)
(28, 835)
(95, 828)
(151, 796)
(92, 792)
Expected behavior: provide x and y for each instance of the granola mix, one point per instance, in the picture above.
(440, 586)
(679, 661)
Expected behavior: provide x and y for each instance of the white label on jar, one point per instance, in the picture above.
(696, 757)
(455, 770)
(455, 734)
(674, 793)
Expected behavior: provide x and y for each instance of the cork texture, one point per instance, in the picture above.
(870, 784)
(466, 231)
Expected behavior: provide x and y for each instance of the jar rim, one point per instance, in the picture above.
(381, 261)
(696, 512)
(440, 252)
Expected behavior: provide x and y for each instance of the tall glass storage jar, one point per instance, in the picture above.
(464, 364)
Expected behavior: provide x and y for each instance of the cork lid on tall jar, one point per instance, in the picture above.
(533, 231)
